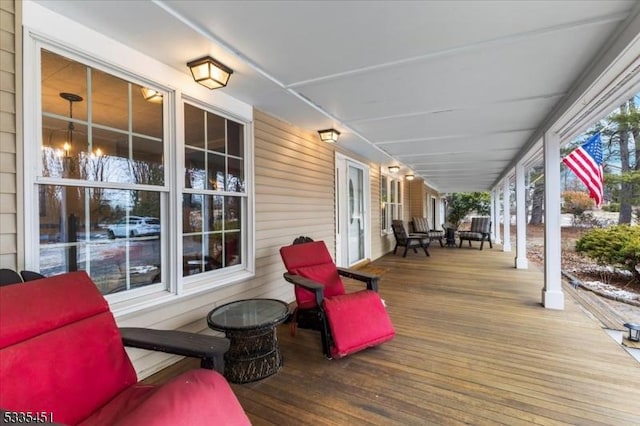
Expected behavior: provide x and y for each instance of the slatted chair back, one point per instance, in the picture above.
(421, 225)
(480, 231)
(481, 224)
(399, 232)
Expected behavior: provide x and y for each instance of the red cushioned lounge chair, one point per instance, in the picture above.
(62, 360)
(348, 322)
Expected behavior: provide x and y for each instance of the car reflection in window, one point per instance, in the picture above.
(135, 226)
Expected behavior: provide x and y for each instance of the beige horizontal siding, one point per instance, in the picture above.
(294, 195)
(9, 244)
(293, 170)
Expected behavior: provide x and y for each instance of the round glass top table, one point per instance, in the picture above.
(250, 326)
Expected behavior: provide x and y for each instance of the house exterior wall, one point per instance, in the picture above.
(294, 194)
(417, 196)
(381, 243)
(10, 177)
(428, 193)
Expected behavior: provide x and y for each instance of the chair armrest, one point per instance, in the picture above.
(310, 285)
(370, 279)
(210, 349)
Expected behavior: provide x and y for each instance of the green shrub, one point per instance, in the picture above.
(612, 207)
(616, 245)
(460, 204)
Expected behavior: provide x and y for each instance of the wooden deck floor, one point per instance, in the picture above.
(473, 346)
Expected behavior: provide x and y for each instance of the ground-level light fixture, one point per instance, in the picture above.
(329, 135)
(394, 169)
(209, 72)
(634, 331)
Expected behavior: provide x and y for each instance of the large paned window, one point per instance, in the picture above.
(214, 197)
(105, 190)
(390, 201)
(101, 181)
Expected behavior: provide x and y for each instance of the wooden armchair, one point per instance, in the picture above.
(408, 241)
(480, 231)
(420, 225)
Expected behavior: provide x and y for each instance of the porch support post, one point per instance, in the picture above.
(496, 223)
(492, 213)
(506, 209)
(552, 295)
(521, 219)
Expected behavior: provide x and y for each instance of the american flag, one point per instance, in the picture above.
(586, 163)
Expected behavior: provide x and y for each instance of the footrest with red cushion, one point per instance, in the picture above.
(357, 321)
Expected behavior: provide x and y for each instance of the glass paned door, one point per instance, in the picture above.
(352, 211)
(356, 214)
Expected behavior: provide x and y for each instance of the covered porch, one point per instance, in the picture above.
(473, 345)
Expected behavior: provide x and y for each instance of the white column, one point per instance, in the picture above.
(496, 223)
(552, 295)
(521, 219)
(506, 208)
(492, 213)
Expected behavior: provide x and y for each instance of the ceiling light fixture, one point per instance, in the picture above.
(151, 95)
(209, 72)
(409, 177)
(394, 169)
(67, 164)
(329, 135)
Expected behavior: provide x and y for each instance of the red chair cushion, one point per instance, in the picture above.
(197, 397)
(305, 254)
(61, 352)
(357, 321)
(60, 349)
(313, 261)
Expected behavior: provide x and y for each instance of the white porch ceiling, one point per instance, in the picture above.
(451, 90)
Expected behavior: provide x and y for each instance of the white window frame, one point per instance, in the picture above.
(398, 206)
(224, 275)
(46, 29)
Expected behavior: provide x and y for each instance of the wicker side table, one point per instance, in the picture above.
(249, 325)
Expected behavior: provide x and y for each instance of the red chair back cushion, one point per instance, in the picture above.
(313, 261)
(60, 348)
(357, 321)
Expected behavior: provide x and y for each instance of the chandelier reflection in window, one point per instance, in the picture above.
(68, 163)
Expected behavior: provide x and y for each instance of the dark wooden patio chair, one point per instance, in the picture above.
(408, 241)
(420, 225)
(480, 231)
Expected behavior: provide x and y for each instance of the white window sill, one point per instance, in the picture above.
(149, 302)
